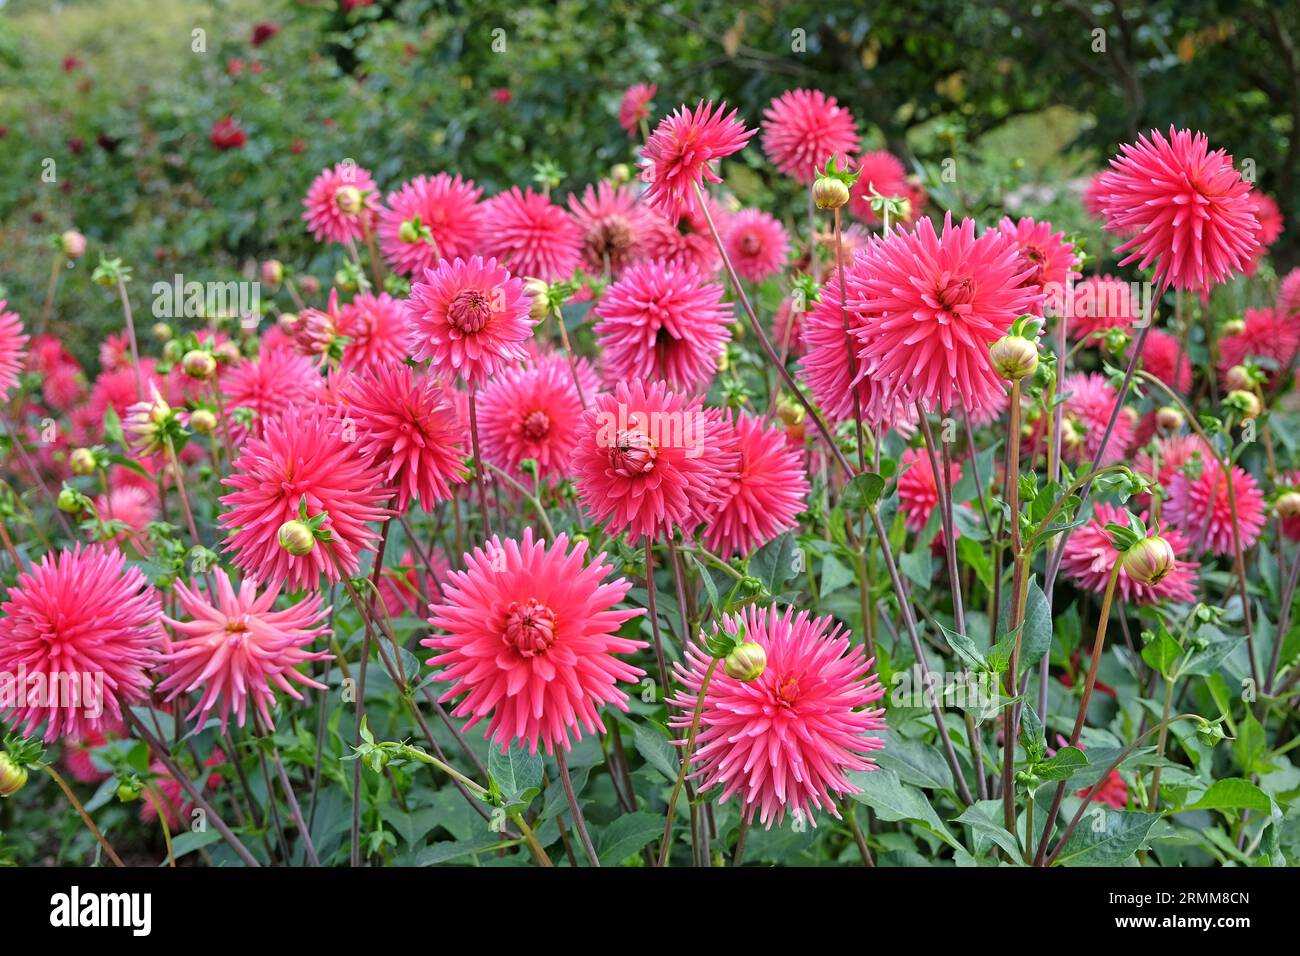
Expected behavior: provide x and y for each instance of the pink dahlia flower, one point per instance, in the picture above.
(532, 412)
(12, 349)
(1267, 334)
(1172, 453)
(238, 648)
(406, 588)
(648, 460)
(1290, 481)
(937, 302)
(531, 639)
(530, 235)
(763, 495)
(1049, 257)
(307, 453)
(664, 322)
(1089, 402)
(1199, 505)
(787, 740)
(680, 154)
(1101, 303)
(1090, 556)
(134, 507)
(757, 244)
(689, 242)
(918, 492)
(409, 429)
(78, 754)
(177, 808)
(1193, 214)
(802, 129)
(1095, 194)
(341, 204)
(634, 108)
(375, 326)
(612, 221)
(447, 206)
(1160, 353)
(1288, 293)
(270, 385)
(470, 317)
(85, 622)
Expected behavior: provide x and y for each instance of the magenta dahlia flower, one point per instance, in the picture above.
(375, 326)
(1193, 214)
(531, 639)
(1090, 556)
(763, 495)
(447, 206)
(688, 242)
(661, 321)
(12, 349)
(1199, 505)
(274, 382)
(238, 648)
(918, 492)
(1089, 402)
(309, 453)
(648, 460)
(802, 129)
(757, 244)
(1049, 257)
(470, 317)
(936, 303)
(1160, 353)
(680, 154)
(341, 204)
(612, 221)
(1172, 453)
(787, 740)
(1266, 334)
(79, 637)
(883, 172)
(1288, 293)
(1098, 304)
(634, 108)
(530, 235)
(532, 412)
(407, 425)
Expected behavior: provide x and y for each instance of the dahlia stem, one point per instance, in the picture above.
(1284, 624)
(666, 844)
(152, 791)
(16, 439)
(738, 855)
(679, 585)
(1019, 578)
(863, 850)
(941, 476)
(653, 611)
(1153, 798)
(579, 823)
(568, 354)
(1239, 561)
(51, 287)
(1098, 643)
(376, 264)
(130, 334)
(814, 266)
(766, 343)
(81, 812)
(295, 810)
(479, 471)
(174, 461)
(191, 791)
(527, 495)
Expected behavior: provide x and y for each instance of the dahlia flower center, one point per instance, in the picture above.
(750, 244)
(611, 237)
(470, 311)
(537, 425)
(787, 692)
(530, 627)
(956, 292)
(633, 454)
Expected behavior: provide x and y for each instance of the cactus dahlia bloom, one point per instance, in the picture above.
(918, 493)
(1192, 214)
(1160, 353)
(532, 412)
(1098, 304)
(787, 740)
(12, 352)
(529, 642)
(885, 173)
(308, 453)
(1288, 294)
(757, 244)
(274, 382)
(936, 302)
(681, 152)
(648, 460)
(530, 235)
(341, 204)
(1089, 402)
(763, 495)
(85, 627)
(634, 108)
(1048, 255)
(238, 648)
(802, 129)
(1090, 556)
(375, 327)
(662, 321)
(1267, 334)
(447, 206)
(1199, 505)
(613, 222)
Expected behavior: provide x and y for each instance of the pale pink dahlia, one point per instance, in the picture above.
(1267, 334)
(648, 460)
(1171, 454)
(1199, 505)
(531, 639)
(268, 386)
(936, 303)
(1049, 257)
(612, 221)
(375, 326)
(407, 425)
(802, 129)
(1089, 402)
(757, 244)
(1090, 556)
(86, 624)
(1098, 304)
(1194, 215)
(763, 495)
(134, 507)
(238, 648)
(886, 174)
(634, 108)
(532, 412)
(447, 206)
(470, 317)
(680, 154)
(307, 453)
(662, 321)
(341, 204)
(530, 235)
(787, 740)
(12, 351)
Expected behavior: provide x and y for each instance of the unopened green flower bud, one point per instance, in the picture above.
(296, 538)
(129, 792)
(1288, 505)
(1014, 357)
(830, 192)
(408, 231)
(13, 777)
(621, 173)
(82, 461)
(161, 331)
(1150, 560)
(203, 421)
(1238, 378)
(69, 501)
(1246, 403)
(539, 291)
(1234, 327)
(199, 364)
(1170, 420)
(746, 662)
(348, 200)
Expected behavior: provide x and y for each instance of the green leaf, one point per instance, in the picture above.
(985, 816)
(1233, 793)
(893, 800)
(965, 649)
(1036, 632)
(915, 762)
(773, 564)
(1106, 837)
(1161, 652)
(863, 491)
(448, 850)
(1066, 762)
(190, 841)
(651, 742)
(917, 565)
(627, 835)
(515, 772)
(1032, 735)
